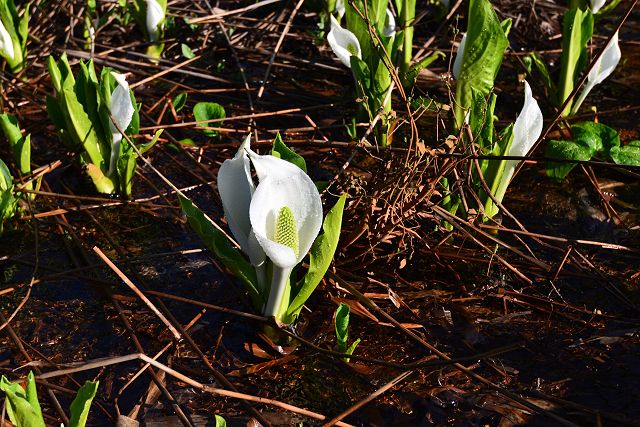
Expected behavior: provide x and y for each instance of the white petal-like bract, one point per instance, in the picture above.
(457, 63)
(343, 43)
(390, 25)
(155, 18)
(526, 131)
(283, 184)
(602, 69)
(236, 190)
(6, 44)
(121, 110)
(596, 5)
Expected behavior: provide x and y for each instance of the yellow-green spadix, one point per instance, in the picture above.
(343, 42)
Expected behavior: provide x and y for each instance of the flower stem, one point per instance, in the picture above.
(279, 283)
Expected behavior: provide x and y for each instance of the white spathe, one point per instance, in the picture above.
(6, 43)
(526, 131)
(457, 63)
(121, 109)
(155, 18)
(390, 25)
(596, 5)
(236, 189)
(343, 43)
(602, 69)
(283, 184)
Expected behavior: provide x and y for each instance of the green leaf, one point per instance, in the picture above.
(179, 101)
(217, 242)
(80, 127)
(143, 148)
(566, 150)
(576, 33)
(82, 404)
(626, 155)
(482, 56)
(220, 422)
(352, 348)
(342, 327)
(186, 51)
(321, 255)
(54, 73)
(20, 145)
(209, 111)
(20, 409)
(283, 152)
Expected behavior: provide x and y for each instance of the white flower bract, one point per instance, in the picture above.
(155, 18)
(596, 5)
(526, 131)
(6, 43)
(121, 109)
(602, 69)
(343, 42)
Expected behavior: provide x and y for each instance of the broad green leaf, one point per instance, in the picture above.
(186, 51)
(20, 410)
(209, 111)
(599, 137)
(576, 33)
(482, 57)
(283, 152)
(321, 255)
(566, 150)
(179, 101)
(342, 327)
(220, 422)
(216, 241)
(82, 404)
(31, 394)
(79, 125)
(626, 155)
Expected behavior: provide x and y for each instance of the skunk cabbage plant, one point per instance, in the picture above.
(14, 31)
(150, 16)
(276, 224)
(368, 57)
(526, 131)
(92, 116)
(23, 408)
